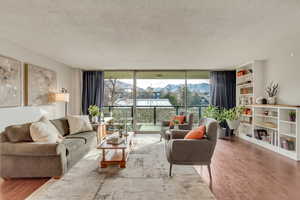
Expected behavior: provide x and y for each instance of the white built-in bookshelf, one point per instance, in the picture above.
(269, 126)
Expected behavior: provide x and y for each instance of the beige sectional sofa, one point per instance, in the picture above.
(21, 157)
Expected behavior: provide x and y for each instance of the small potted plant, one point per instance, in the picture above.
(292, 116)
(176, 123)
(94, 112)
(271, 91)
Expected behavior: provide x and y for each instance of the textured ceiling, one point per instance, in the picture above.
(151, 34)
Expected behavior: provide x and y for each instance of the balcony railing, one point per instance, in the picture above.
(153, 114)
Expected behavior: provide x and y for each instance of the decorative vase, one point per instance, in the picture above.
(292, 118)
(176, 127)
(221, 132)
(94, 119)
(272, 100)
(233, 124)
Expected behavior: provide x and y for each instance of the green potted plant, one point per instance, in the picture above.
(292, 116)
(94, 112)
(232, 117)
(176, 123)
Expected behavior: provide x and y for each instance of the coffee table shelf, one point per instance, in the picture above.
(116, 154)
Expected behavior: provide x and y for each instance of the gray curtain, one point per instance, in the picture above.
(223, 92)
(223, 89)
(92, 90)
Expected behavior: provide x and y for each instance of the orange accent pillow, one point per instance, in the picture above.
(197, 133)
(180, 118)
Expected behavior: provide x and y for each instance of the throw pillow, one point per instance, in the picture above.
(18, 133)
(44, 131)
(79, 123)
(180, 118)
(197, 133)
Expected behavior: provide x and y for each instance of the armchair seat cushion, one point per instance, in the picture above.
(32, 149)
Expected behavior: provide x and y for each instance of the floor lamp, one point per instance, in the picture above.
(61, 97)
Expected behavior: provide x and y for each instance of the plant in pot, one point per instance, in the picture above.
(292, 116)
(232, 117)
(94, 112)
(176, 123)
(271, 91)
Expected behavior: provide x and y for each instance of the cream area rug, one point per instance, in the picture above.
(144, 178)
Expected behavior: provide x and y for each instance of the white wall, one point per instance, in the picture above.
(27, 114)
(283, 67)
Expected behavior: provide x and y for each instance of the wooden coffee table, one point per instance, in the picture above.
(116, 154)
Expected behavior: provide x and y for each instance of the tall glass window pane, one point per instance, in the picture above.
(118, 97)
(198, 95)
(160, 94)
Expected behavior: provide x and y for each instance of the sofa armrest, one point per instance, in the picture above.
(178, 134)
(190, 150)
(32, 149)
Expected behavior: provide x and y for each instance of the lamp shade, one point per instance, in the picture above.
(59, 97)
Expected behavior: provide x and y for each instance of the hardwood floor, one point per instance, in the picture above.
(244, 171)
(241, 171)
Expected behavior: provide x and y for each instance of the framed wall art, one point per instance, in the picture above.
(10, 82)
(39, 83)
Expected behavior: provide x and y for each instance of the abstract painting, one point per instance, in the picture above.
(39, 83)
(10, 82)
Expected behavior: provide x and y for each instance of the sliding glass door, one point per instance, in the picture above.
(149, 97)
(159, 96)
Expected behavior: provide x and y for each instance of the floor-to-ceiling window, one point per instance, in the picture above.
(155, 95)
(159, 96)
(197, 92)
(118, 96)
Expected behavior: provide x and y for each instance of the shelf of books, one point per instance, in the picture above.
(275, 127)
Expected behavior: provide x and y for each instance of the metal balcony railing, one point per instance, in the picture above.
(153, 114)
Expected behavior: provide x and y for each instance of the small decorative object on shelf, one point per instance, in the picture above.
(94, 112)
(261, 100)
(271, 91)
(292, 116)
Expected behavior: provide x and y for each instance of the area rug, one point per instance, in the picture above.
(145, 177)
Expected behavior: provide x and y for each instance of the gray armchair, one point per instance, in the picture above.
(182, 151)
(165, 126)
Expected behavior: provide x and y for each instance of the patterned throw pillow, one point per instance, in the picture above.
(79, 123)
(44, 131)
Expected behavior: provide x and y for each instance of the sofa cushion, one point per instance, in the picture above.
(73, 144)
(18, 133)
(44, 131)
(79, 123)
(88, 136)
(62, 126)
